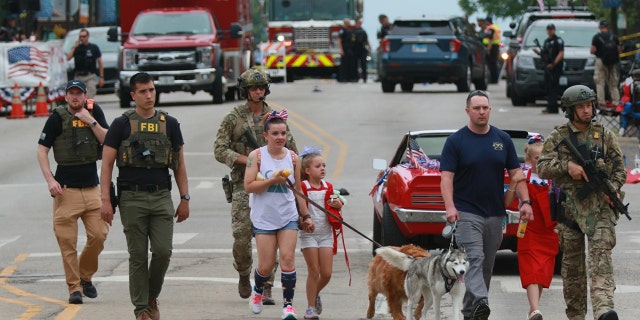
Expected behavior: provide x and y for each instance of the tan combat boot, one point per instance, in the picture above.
(155, 312)
(244, 286)
(266, 295)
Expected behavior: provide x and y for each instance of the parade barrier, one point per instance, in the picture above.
(27, 64)
(17, 109)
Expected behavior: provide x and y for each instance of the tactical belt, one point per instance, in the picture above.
(143, 187)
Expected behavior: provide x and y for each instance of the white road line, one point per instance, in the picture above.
(7, 241)
(182, 238)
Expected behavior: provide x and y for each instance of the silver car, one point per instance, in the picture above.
(109, 50)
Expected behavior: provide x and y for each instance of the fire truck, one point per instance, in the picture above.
(309, 30)
(187, 45)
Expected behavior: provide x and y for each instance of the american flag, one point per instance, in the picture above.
(27, 60)
(417, 157)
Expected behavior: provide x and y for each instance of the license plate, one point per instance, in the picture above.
(563, 81)
(419, 48)
(165, 80)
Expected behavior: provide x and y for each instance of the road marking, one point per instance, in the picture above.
(32, 309)
(7, 241)
(182, 238)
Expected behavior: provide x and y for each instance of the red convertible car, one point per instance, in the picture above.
(408, 205)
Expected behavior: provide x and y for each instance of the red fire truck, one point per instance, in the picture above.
(309, 30)
(187, 45)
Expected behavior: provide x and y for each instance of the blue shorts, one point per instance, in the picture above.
(292, 225)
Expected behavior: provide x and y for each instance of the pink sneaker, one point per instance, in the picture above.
(256, 302)
(289, 313)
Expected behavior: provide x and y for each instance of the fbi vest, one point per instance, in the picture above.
(77, 144)
(148, 145)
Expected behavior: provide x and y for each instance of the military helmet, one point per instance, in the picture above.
(576, 95)
(253, 77)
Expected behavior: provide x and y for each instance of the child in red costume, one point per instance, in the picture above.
(538, 248)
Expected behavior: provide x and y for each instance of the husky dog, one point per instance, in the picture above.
(431, 278)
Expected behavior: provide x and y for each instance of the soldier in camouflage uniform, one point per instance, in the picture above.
(240, 133)
(592, 216)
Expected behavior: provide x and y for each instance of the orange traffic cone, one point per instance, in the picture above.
(42, 109)
(17, 109)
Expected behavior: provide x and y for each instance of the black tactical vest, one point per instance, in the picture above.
(77, 144)
(148, 145)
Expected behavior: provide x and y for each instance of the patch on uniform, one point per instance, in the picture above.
(596, 135)
(162, 117)
(42, 136)
(498, 146)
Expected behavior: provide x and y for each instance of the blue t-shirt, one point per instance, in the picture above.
(478, 162)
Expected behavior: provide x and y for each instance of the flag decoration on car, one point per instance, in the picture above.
(417, 158)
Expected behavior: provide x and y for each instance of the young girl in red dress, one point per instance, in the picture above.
(538, 248)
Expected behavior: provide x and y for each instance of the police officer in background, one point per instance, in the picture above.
(75, 132)
(145, 143)
(491, 39)
(240, 133)
(552, 58)
(592, 216)
(86, 55)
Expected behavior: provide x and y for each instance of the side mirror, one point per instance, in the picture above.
(112, 34)
(380, 164)
(236, 30)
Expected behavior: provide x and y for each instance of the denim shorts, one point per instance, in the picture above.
(292, 225)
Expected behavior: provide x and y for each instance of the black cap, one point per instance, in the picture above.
(76, 83)
(489, 18)
(551, 26)
(604, 23)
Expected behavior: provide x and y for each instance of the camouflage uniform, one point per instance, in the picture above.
(231, 142)
(592, 217)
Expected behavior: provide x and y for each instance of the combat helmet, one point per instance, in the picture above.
(254, 77)
(576, 95)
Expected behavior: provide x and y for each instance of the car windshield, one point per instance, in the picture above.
(572, 35)
(300, 10)
(421, 27)
(97, 37)
(152, 24)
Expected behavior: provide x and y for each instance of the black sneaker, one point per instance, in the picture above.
(481, 312)
(89, 289)
(75, 298)
(609, 315)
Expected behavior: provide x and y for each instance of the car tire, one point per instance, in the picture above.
(230, 95)
(516, 99)
(377, 232)
(482, 83)
(406, 86)
(387, 85)
(391, 235)
(125, 97)
(464, 84)
(216, 91)
(508, 89)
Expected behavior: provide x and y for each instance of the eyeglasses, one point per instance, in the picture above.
(536, 138)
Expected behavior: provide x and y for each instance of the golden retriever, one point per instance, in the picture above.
(389, 280)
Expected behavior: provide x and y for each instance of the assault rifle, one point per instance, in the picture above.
(598, 179)
(544, 56)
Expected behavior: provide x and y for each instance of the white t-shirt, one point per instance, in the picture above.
(276, 207)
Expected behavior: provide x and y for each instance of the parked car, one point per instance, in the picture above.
(527, 83)
(109, 50)
(432, 50)
(518, 29)
(407, 202)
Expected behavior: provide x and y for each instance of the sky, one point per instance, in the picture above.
(396, 8)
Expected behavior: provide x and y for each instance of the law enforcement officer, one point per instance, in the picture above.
(492, 39)
(551, 56)
(76, 133)
(240, 133)
(145, 143)
(86, 55)
(591, 216)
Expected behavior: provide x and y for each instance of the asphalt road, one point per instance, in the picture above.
(353, 123)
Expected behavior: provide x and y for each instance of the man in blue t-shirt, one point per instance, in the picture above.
(472, 165)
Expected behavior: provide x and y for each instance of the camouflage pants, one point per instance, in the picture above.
(574, 270)
(242, 231)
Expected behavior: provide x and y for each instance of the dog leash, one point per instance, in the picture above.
(296, 192)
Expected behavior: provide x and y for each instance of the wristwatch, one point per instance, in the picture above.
(93, 124)
(525, 202)
(186, 197)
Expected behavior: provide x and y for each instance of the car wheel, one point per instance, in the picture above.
(406, 86)
(387, 85)
(230, 95)
(482, 83)
(508, 90)
(377, 232)
(391, 235)
(516, 99)
(464, 84)
(216, 91)
(125, 98)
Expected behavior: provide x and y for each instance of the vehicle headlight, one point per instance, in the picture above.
(504, 56)
(129, 59)
(525, 62)
(591, 62)
(205, 56)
